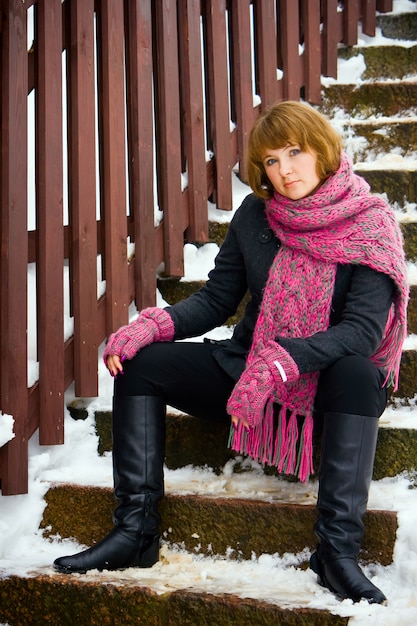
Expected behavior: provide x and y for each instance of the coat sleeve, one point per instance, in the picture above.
(358, 331)
(219, 298)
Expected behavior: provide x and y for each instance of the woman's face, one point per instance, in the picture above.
(292, 172)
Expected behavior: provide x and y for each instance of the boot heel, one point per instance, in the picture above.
(315, 565)
(151, 555)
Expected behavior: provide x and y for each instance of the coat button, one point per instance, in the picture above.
(265, 235)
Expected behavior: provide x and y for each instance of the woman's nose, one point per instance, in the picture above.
(285, 167)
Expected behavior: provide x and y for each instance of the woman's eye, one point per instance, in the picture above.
(270, 162)
(295, 151)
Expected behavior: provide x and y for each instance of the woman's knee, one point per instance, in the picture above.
(139, 374)
(352, 384)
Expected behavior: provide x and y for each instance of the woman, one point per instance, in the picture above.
(320, 339)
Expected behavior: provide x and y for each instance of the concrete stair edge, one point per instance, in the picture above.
(67, 600)
(233, 527)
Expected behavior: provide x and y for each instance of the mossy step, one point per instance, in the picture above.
(368, 99)
(400, 185)
(399, 25)
(409, 231)
(173, 291)
(384, 62)
(381, 138)
(65, 601)
(218, 230)
(236, 527)
(198, 442)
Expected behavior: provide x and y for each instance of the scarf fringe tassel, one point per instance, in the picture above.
(259, 442)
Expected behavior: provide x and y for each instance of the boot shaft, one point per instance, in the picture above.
(346, 466)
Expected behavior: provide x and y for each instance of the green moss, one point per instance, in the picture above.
(408, 375)
(399, 185)
(370, 98)
(410, 240)
(384, 62)
(65, 601)
(212, 525)
(397, 452)
(398, 26)
(217, 231)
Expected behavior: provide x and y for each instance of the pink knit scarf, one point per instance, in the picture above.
(340, 223)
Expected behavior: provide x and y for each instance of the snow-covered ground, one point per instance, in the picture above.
(24, 551)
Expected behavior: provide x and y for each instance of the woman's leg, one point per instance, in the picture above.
(351, 399)
(184, 375)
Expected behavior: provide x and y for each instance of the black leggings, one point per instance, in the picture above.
(186, 376)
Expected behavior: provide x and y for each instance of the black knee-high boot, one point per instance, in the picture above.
(347, 459)
(138, 456)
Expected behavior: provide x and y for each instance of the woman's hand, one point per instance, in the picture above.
(152, 325)
(235, 423)
(114, 365)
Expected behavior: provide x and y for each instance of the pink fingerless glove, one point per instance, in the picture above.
(271, 366)
(152, 325)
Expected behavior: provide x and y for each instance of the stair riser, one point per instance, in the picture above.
(376, 140)
(399, 185)
(384, 62)
(401, 26)
(197, 442)
(213, 525)
(66, 601)
(369, 99)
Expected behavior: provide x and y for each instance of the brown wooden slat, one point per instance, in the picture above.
(369, 17)
(330, 38)
(113, 160)
(193, 116)
(13, 233)
(140, 146)
(312, 50)
(290, 24)
(83, 196)
(168, 132)
(384, 6)
(218, 97)
(350, 22)
(266, 61)
(49, 203)
(242, 78)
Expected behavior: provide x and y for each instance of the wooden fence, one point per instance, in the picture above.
(123, 89)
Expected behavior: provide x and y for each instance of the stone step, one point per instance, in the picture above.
(400, 184)
(378, 137)
(217, 233)
(174, 290)
(218, 230)
(384, 62)
(401, 26)
(234, 527)
(388, 98)
(198, 442)
(65, 601)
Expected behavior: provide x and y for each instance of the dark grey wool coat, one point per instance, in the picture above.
(361, 300)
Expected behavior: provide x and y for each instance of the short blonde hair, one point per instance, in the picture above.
(290, 123)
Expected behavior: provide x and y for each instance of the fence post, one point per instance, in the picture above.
(49, 201)
(14, 246)
(83, 227)
(112, 133)
(242, 79)
(140, 120)
(169, 134)
(266, 54)
(191, 81)
(218, 97)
